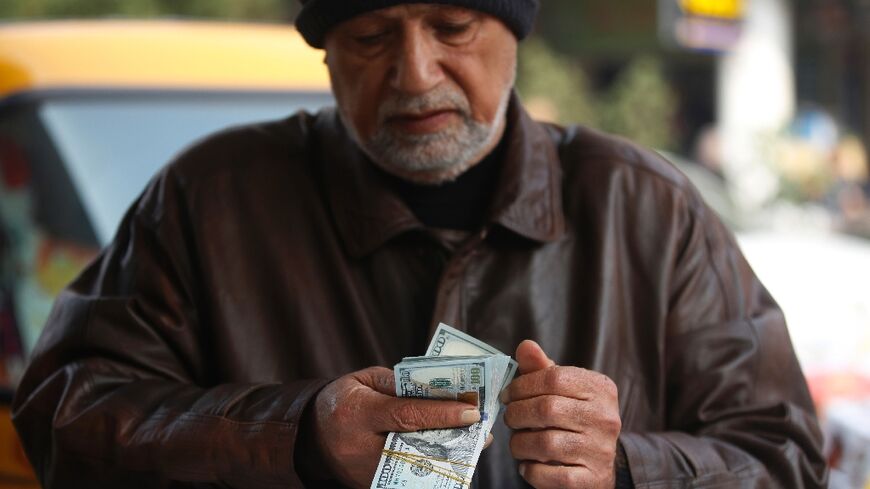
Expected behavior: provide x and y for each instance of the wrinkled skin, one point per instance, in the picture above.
(421, 76)
(565, 421)
(354, 414)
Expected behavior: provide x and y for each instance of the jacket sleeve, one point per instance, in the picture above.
(738, 409)
(118, 392)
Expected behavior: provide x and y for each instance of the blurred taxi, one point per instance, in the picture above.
(89, 111)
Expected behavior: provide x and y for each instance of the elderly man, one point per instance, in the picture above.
(237, 330)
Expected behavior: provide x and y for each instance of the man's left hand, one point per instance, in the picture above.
(565, 421)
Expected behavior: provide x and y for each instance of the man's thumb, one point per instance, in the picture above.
(532, 358)
(377, 378)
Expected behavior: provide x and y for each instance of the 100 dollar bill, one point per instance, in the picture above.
(459, 379)
(432, 459)
(450, 342)
(443, 458)
(458, 367)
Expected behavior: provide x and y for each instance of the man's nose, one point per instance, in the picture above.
(417, 67)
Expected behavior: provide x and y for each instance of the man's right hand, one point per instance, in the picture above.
(354, 413)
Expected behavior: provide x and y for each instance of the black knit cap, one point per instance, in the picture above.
(318, 16)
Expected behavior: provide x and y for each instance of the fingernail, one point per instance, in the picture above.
(470, 416)
(504, 397)
(522, 470)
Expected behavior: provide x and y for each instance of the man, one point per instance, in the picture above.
(236, 332)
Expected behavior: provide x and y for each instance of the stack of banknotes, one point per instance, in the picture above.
(457, 367)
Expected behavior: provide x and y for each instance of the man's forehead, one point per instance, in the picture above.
(414, 10)
(319, 16)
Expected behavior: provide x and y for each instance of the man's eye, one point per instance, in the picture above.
(370, 39)
(456, 32)
(453, 29)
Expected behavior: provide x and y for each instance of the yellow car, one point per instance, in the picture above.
(89, 111)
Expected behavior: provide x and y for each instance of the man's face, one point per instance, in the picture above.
(423, 88)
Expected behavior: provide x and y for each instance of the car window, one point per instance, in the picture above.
(113, 146)
(36, 184)
(46, 234)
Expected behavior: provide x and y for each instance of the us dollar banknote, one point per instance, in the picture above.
(456, 378)
(432, 459)
(450, 342)
(445, 458)
(465, 378)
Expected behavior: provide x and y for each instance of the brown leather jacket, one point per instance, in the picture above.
(269, 259)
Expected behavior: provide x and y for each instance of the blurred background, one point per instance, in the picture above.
(764, 104)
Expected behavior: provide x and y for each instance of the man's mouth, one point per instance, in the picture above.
(424, 122)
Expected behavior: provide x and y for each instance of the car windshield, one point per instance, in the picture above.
(112, 145)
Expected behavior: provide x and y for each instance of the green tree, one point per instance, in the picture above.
(554, 84)
(639, 104)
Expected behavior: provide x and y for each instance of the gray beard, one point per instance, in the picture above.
(431, 158)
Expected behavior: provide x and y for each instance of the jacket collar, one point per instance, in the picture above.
(527, 201)
(528, 198)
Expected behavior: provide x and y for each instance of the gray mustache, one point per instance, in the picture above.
(437, 99)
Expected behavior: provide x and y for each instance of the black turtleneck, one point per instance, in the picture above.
(461, 204)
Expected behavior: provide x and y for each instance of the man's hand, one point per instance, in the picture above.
(354, 413)
(566, 422)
